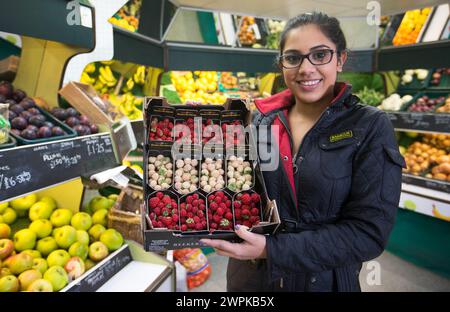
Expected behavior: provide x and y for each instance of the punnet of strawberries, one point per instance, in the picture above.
(160, 129)
(163, 211)
(193, 213)
(233, 133)
(211, 132)
(186, 135)
(220, 215)
(247, 209)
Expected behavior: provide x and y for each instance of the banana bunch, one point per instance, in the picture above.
(139, 75)
(127, 105)
(90, 68)
(86, 79)
(106, 76)
(129, 85)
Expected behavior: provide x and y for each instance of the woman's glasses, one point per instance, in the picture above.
(317, 57)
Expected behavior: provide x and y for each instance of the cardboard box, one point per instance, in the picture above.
(9, 67)
(161, 239)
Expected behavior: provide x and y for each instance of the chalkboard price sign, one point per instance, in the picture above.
(30, 168)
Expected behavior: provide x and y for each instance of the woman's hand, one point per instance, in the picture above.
(253, 246)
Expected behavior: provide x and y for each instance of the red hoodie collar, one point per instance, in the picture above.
(285, 99)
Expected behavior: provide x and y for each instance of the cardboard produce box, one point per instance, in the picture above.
(205, 190)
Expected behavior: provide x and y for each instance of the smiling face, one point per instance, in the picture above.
(311, 83)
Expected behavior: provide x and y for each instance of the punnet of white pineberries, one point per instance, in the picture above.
(186, 175)
(160, 172)
(239, 174)
(212, 175)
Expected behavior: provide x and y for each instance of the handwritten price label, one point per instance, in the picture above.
(7, 182)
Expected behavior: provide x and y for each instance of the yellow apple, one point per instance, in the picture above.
(40, 264)
(98, 251)
(95, 231)
(27, 277)
(23, 203)
(89, 264)
(40, 210)
(61, 217)
(5, 230)
(41, 227)
(66, 236)
(114, 197)
(81, 221)
(33, 253)
(83, 237)
(1, 219)
(3, 207)
(74, 268)
(112, 239)
(100, 217)
(24, 239)
(79, 249)
(6, 248)
(40, 285)
(46, 245)
(57, 277)
(58, 257)
(9, 216)
(100, 202)
(50, 201)
(5, 272)
(19, 263)
(9, 283)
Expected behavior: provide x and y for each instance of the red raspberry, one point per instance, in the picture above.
(211, 197)
(157, 211)
(213, 206)
(167, 200)
(189, 199)
(153, 202)
(195, 203)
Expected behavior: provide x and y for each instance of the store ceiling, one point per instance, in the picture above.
(285, 9)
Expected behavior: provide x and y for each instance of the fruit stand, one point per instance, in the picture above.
(67, 143)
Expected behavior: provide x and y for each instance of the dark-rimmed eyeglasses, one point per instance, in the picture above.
(318, 57)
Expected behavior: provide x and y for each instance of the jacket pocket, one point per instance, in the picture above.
(392, 175)
(336, 157)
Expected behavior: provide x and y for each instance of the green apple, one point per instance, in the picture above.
(66, 236)
(5, 272)
(9, 216)
(40, 210)
(40, 264)
(40, 285)
(95, 231)
(6, 248)
(98, 251)
(61, 217)
(9, 283)
(89, 264)
(114, 197)
(75, 268)
(58, 257)
(19, 263)
(50, 201)
(100, 217)
(23, 203)
(112, 239)
(24, 239)
(57, 277)
(5, 230)
(79, 249)
(27, 277)
(46, 245)
(41, 227)
(100, 202)
(33, 253)
(3, 207)
(81, 221)
(83, 237)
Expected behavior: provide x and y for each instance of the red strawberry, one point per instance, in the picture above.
(220, 211)
(160, 195)
(229, 216)
(224, 223)
(200, 214)
(183, 212)
(154, 223)
(211, 197)
(246, 199)
(237, 204)
(237, 213)
(213, 225)
(199, 227)
(190, 215)
(254, 212)
(184, 227)
(167, 200)
(213, 206)
(175, 218)
(217, 218)
(228, 203)
(189, 199)
(255, 198)
(195, 196)
(247, 223)
(196, 219)
(245, 214)
(153, 202)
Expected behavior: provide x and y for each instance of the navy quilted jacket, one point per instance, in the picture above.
(337, 198)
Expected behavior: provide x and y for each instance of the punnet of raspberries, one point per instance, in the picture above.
(211, 132)
(220, 215)
(233, 133)
(161, 130)
(247, 209)
(186, 135)
(193, 213)
(163, 211)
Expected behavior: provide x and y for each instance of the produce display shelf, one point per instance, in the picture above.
(421, 55)
(29, 168)
(420, 122)
(437, 185)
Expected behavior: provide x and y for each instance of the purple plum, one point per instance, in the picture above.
(19, 123)
(82, 130)
(72, 121)
(57, 131)
(27, 103)
(48, 124)
(94, 129)
(44, 132)
(28, 134)
(84, 120)
(6, 89)
(37, 120)
(26, 115)
(32, 127)
(72, 112)
(34, 111)
(12, 115)
(19, 95)
(16, 109)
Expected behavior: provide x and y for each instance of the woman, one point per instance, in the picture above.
(339, 180)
